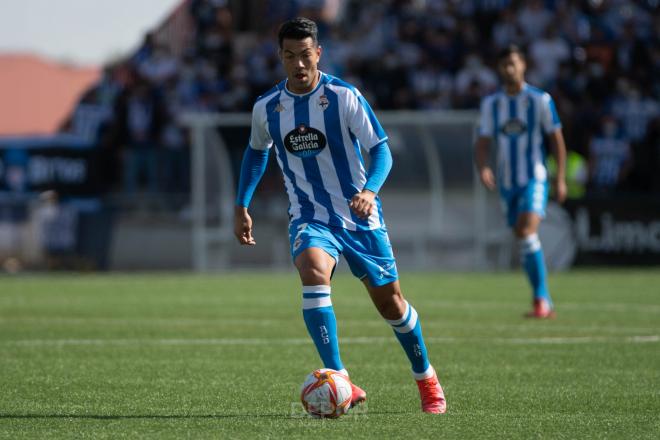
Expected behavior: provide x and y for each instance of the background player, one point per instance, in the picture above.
(318, 124)
(519, 118)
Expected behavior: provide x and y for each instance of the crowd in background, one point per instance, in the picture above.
(599, 59)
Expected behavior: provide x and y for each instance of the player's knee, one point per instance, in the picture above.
(314, 274)
(524, 231)
(391, 307)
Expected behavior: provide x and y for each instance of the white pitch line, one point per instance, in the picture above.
(372, 323)
(639, 339)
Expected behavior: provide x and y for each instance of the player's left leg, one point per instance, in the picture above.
(370, 257)
(530, 213)
(408, 330)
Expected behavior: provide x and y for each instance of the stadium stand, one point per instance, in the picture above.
(597, 58)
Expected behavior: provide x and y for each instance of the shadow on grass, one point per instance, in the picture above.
(180, 416)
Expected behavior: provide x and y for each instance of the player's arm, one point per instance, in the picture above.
(362, 122)
(363, 203)
(481, 156)
(252, 169)
(482, 145)
(558, 147)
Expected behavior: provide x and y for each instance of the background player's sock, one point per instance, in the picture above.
(408, 331)
(322, 325)
(531, 255)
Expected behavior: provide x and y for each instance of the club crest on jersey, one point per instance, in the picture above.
(514, 127)
(279, 108)
(323, 102)
(304, 141)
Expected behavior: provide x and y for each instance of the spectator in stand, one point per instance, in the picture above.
(139, 116)
(174, 175)
(146, 49)
(475, 74)
(634, 110)
(160, 66)
(590, 45)
(547, 54)
(533, 19)
(609, 157)
(506, 30)
(432, 86)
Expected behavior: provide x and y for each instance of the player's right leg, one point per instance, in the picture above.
(315, 252)
(530, 210)
(533, 262)
(315, 255)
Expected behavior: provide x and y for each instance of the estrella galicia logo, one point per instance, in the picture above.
(304, 141)
(514, 127)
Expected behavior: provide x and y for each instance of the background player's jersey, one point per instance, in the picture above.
(317, 138)
(518, 124)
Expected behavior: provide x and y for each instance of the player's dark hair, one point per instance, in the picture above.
(298, 29)
(510, 50)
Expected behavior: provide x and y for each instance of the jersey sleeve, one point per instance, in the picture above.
(549, 116)
(259, 136)
(486, 126)
(362, 121)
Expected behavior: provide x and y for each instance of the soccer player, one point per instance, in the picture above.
(519, 118)
(318, 125)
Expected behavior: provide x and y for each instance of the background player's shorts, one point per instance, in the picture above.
(368, 253)
(532, 197)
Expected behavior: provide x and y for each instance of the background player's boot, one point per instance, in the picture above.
(358, 395)
(541, 310)
(432, 395)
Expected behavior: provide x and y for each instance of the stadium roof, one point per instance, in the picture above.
(38, 94)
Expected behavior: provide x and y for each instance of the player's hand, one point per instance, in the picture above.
(487, 178)
(243, 226)
(561, 190)
(363, 204)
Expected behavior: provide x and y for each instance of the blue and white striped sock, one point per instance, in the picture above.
(408, 331)
(531, 256)
(321, 324)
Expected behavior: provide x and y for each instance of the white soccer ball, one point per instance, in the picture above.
(326, 393)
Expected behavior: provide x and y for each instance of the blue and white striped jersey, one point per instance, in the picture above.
(317, 138)
(517, 124)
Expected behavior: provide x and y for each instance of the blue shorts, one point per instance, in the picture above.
(368, 253)
(532, 197)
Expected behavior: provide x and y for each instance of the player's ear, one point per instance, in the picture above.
(319, 51)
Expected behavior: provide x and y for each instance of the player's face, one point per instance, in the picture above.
(300, 59)
(512, 69)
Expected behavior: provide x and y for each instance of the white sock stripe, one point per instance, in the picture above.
(315, 303)
(530, 244)
(399, 321)
(316, 289)
(425, 375)
(410, 324)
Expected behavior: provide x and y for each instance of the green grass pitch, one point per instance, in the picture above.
(186, 356)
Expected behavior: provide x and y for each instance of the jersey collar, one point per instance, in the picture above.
(523, 90)
(296, 95)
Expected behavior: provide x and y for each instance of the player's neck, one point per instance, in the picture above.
(513, 89)
(307, 89)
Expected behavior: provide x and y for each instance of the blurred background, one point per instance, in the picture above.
(122, 127)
